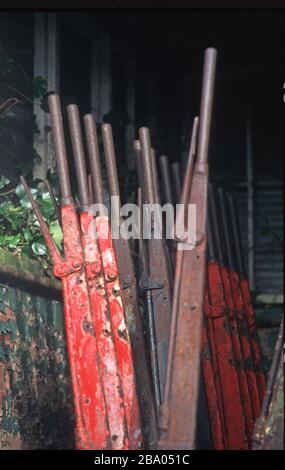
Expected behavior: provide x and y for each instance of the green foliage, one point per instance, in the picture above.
(19, 228)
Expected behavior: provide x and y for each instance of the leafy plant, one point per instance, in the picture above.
(19, 228)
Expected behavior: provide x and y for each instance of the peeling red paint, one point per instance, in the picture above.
(256, 350)
(120, 332)
(104, 337)
(224, 367)
(92, 430)
(245, 343)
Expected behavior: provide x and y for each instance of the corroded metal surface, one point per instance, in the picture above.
(36, 410)
(240, 314)
(179, 411)
(158, 267)
(120, 332)
(245, 292)
(125, 305)
(130, 300)
(211, 393)
(223, 361)
(97, 293)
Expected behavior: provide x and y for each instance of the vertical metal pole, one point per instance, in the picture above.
(250, 196)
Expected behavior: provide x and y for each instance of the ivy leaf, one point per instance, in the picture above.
(47, 209)
(25, 202)
(20, 190)
(27, 234)
(46, 196)
(13, 240)
(39, 249)
(56, 232)
(27, 251)
(3, 181)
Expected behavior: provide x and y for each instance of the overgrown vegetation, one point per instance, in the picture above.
(19, 228)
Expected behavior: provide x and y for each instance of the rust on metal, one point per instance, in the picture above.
(95, 166)
(245, 291)
(166, 179)
(130, 302)
(176, 181)
(159, 265)
(180, 409)
(245, 341)
(225, 370)
(97, 291)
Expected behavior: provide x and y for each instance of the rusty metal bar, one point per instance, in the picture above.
(148, 186)
(158, 261)
(179, 412)
(53, 199)
(91, 189)
(139, 171)
(144, 276)
(244, 335)
(155, 177)
(220, 333)
(231, 307)
(60, 149)
(176, 179)
(184, 198)
(108, 363)
(94, 158)
(244, 286)
(110, 159)
(79, 158)
(126, 278)
(166, 179)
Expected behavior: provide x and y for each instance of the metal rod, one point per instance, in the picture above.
(215, 224)
(155, 177)
(166, 180)
(186, 189)
(137, 150)
(60, 149)
(179, 261)
(210, 239)
(147, 165)
(79, 157)
(176, 179)
(110, 158)
(53, 199)
(226, 230)
(43, 225)
(236, 234)
(91, 190)
(149, 311)
(179, 411)
(94, 158)
(209, 71)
